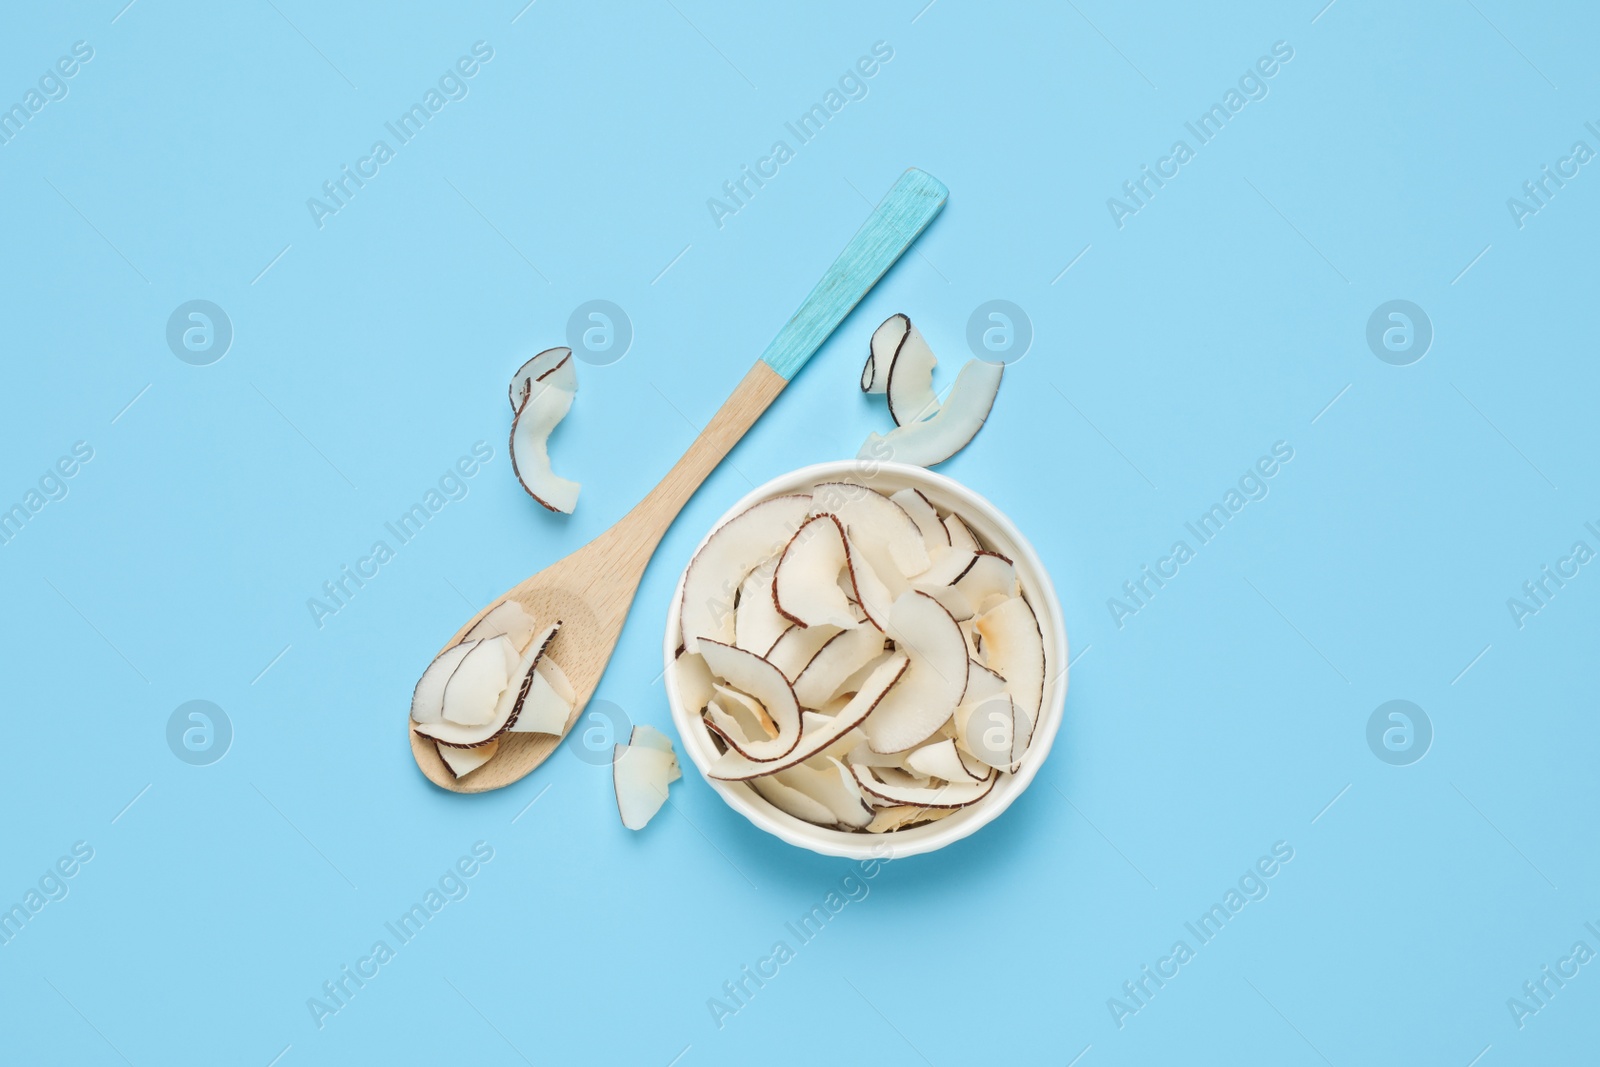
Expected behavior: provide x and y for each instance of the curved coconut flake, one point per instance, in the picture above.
(834, 787)
(950, 564)
(950, 428)
(948, 795)
(863, 756)
(649, 737)
(934, 683)
(845, 653)
(507, 710)
(961, 535)
(995, 732)
(805, 585)
(719, 721)
(797, 647)
(1014, 647)
(692, 679)
(427, 699)
(989, 574)
(733, 550)
(751, 674)
(982, 683)
(640, 776)
(753, 720)
(790, 801)
(969, 630)
(910, 385)
(871, 592)
(509, 618)
(854, 683)
(925, 515)
(881, 349)
(544, 409)
(941, 760)
(904, 817)
(757, 623)
(474, 688)
(732, 766)
(463, 761)
(548, 704)
(888, 536)
(537, 368)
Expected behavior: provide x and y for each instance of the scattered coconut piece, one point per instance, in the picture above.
(733, 550)
(886, 340)
(640, 775)
(950, 428)
(463, 761)
(546, 405)
(537, 368)
(910, 387)
(805, 586)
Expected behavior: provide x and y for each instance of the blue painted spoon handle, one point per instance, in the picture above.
(896, 222)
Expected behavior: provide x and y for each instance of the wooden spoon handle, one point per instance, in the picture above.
(913, 202)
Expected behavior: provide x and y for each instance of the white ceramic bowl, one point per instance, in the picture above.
(997, 532)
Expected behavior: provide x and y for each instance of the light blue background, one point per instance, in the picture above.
(1225, 316)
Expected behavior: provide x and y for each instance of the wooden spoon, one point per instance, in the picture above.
(590, 590)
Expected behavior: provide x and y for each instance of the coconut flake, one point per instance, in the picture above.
(734, 766)
(427, 700)
(733, 550)
(640, 775)
(541, 366)
(910, 385)
(935, 681)
(1014, 647)
(463, 761)
(950, 428)
(881, 350)
(751, 674)
(845, 653)
(757, 623)
(546, 405)
(805, 585)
